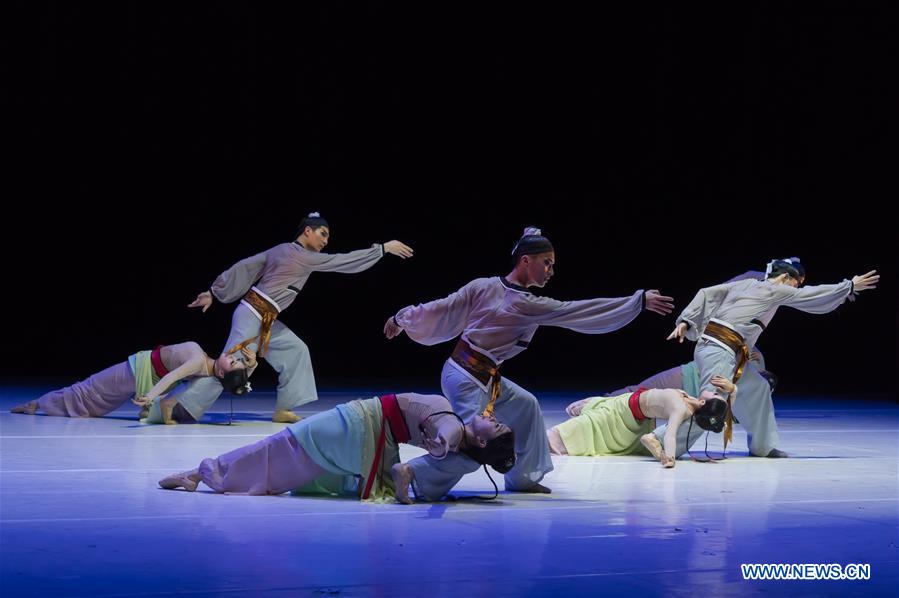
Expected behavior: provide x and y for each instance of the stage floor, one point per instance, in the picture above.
(81, 515)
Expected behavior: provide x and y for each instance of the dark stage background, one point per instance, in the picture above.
(659, 147)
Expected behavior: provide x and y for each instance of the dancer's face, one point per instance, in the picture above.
(708, 395)
(226, 363)
(316, 239)
(487, 428)
(540, 268)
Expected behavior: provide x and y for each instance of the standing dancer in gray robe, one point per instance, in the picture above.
(727, 319)
(497, 318)
(756, 387)
(266, 284)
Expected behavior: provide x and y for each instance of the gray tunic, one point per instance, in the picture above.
(282, 271)
(279, 274)
(499, 319)
(738, 303)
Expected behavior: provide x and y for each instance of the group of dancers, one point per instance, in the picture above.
(482, 418)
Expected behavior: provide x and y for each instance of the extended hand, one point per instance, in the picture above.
(391, 328)
(864, 282)
(658, 303)
(203, 300)
(679, 332)
(398, 248)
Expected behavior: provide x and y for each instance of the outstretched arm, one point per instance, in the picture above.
(824, 298)
(698, 312)
(188, 368)
(436, 321)
(590, 316)
(233, 283)
(354, 261)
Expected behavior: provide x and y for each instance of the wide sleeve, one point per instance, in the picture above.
(589, 316)
(700, 310)
(345, 263)
(440, 320)
(819, 299)
(233, 283)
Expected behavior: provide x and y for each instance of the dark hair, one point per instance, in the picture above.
(770, 377)
(792, 268)
(498, 453)
(313, 220)
(711, 415)
(531, 242)
(235, 381)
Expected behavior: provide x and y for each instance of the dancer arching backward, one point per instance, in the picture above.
(756, 385)
(622, 425)
(145, 377)
(359, 438)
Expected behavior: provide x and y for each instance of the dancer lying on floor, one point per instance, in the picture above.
(144, 377)
(623, 424)
(359, 438)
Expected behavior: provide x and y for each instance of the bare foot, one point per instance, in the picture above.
(186, 479)
(556, 444)
(537, 488)
(166, 405)
(282, 416)
(653, 445)
(27, 408)
(402, 476)
(144, 413)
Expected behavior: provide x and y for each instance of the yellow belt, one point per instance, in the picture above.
(735, 342)
(269, 314)
(481, 367)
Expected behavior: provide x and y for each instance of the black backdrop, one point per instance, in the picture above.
(659, 147)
